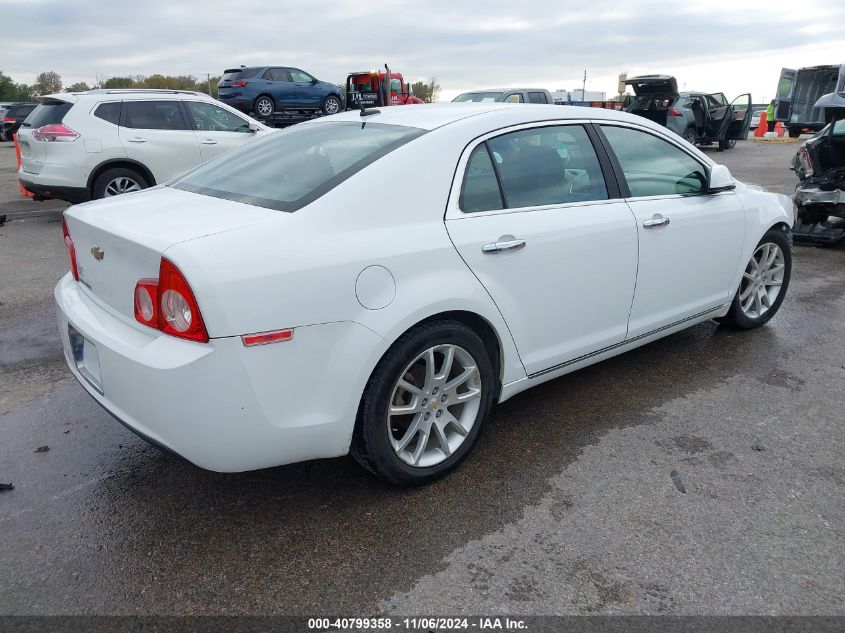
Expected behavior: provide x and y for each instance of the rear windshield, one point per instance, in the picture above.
(287, 170)
(478, 97)
(48, 113)
(243, 73)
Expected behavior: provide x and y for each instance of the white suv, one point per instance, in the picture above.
(86, 145)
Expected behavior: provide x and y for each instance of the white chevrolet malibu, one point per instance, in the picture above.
(375, 282)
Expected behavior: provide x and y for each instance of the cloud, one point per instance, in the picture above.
(465, 45)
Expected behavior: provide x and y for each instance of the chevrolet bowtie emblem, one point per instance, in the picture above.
(97, 252)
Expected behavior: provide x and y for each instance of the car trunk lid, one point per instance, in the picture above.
(653, 85)
(121, 240)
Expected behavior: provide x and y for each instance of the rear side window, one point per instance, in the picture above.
(537, 97)
(153, 115)
(652, 166)
(289, 169)
(243, 73)
(481, 187)
(277, 74)
(109, 112)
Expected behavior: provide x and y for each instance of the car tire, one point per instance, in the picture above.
(116, 181)
(418, 447)
(264, 106)
(689, 135)
(331, 105)
(746, 313)
(727, 144)
(793, 133)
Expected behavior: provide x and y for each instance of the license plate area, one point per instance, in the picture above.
(86, 358)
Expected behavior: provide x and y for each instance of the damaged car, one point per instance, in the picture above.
(820, 167)
(697, 117)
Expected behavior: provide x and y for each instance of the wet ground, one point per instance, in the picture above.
(566, 506)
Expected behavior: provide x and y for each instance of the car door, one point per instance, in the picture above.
(156, 134)
(740, 118)
(218, 129)
(690, 241)
(537, 218)
(786, 85)
(719, 115)
(281, 88)
(305, 87)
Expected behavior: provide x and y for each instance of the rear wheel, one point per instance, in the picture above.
(331, 105)
(793, 132)
(764, 283)
(264, 106)
(114, 182)
(689, 135)
(425, 403)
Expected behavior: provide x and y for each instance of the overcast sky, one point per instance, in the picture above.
(733, 46)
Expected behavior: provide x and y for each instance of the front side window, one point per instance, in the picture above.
(211, 118)
(652, 166)
(153, 115)
(289, 169)
(300, 76)
(516, 97)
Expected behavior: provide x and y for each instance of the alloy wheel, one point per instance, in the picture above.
(264, 107)
(119, 185)
(332, 105)
(434, 405)
(762, 280)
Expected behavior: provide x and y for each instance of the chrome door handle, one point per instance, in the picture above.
(502, 247)
(655, 221)
(136, 139)
(208, 141)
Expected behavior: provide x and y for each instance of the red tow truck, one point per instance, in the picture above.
(376, 88)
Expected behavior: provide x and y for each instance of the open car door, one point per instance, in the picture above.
(741, 118)
(719, 116)
(786, 84)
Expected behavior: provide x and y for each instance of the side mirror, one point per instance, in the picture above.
(253, 128)
(720, 180)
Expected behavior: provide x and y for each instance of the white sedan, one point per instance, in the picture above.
(375, 282)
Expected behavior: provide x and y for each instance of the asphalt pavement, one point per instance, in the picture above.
(568, 504)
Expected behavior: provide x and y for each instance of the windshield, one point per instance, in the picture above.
(287, 170)
(478, 97)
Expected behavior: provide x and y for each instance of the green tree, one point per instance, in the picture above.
(79, 86)
(48, 82)
(426, 90)
(119, 82)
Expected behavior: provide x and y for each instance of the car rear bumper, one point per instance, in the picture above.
(61, 192)
(220, 405)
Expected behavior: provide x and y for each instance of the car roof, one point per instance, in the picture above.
(467, 92)
(123, 93)
(435, 115)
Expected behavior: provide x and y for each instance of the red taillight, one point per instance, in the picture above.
(168, 304)
(675, 112)
(54, 132)
(238, 84)
(265, 338)
(8, 120)
(71, 250)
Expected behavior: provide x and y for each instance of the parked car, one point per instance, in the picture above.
(266, 89)
(13, 117)
(820, 167)
(798, 92)
(282, 313)
(506, 95)
(755, 118)
(86, 145)
(694, 116)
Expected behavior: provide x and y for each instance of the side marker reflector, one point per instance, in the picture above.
(265, 338)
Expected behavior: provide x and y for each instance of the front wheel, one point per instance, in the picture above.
(331, 105)
(425, 404)
(727, 144)
(764, 283)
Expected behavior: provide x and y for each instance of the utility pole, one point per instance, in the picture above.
(584, 86)
(208, 77)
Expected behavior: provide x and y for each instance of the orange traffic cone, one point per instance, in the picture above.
(762, 128)
(24, 192)
(779, 129)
